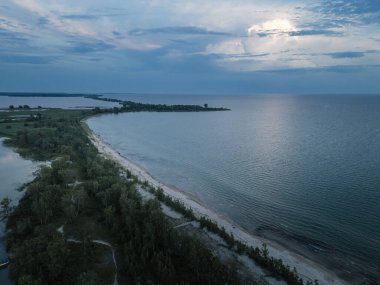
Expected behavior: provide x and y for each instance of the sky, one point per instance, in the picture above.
(198, 46)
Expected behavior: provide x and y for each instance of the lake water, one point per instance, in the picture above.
(14, 172)
(303, 171)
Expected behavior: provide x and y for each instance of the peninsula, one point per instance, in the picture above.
(88, 217)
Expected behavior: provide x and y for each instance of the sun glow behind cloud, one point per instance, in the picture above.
(274, 26)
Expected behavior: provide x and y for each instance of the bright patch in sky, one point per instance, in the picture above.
(275, 26)
(190, 46)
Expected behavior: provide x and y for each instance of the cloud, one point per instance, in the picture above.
(346, 54)
(271, 27)
(245, 55)
(89, 16)
(314, 33)
(46, 15)
(180, 30)
(27, 59)
(15, 42)
(79, 17)
(353, 11)
(89, 47)
(49, 17)
(338, 69)
(206, 36)
(348, 68)
(10, 24)
(318, 21)
(43, 22)
(300, 33)
(352, 7)
(352, 54)
(285, 27)
(226, 48)
(12, 37)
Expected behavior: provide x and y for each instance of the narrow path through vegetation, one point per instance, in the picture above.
(97, 241)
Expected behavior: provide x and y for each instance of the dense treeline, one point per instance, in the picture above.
(140, 107)
(79, 185)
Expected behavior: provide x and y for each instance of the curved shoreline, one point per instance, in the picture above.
(307, 269)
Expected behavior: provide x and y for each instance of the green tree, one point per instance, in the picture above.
(109, 213)
(58, 253)
(28, 280)
(6, 208)
(88, 278)
(43, 207)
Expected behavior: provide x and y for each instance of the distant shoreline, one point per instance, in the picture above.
(38, 94)
(307, 269)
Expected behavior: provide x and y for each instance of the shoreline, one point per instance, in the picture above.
(306, 268)
(11, 192)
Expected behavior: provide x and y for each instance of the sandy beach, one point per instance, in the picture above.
(306, 268)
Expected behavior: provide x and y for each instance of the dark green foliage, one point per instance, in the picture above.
(175, 204)
(44, 256)
(88, 278)
(5, 208)
(129, 106)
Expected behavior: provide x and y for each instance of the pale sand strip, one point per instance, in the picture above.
(307, 269)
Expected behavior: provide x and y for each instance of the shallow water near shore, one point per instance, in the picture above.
(14, 172)
(299, 170)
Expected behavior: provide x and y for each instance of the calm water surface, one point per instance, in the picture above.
(303, 171)
(14, 172)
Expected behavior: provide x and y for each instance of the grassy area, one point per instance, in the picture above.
(19, 120)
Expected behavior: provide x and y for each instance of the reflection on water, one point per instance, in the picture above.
(14, 172)
(299, 169)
